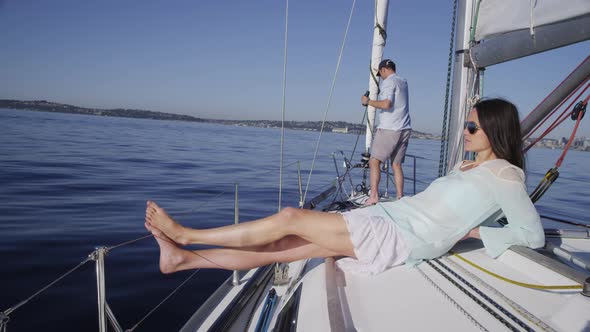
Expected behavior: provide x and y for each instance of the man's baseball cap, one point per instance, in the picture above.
(387, 63)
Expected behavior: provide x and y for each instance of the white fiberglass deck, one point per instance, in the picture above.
(404, 299)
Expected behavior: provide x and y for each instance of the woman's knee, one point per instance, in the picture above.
(290, 220)
(290, 214)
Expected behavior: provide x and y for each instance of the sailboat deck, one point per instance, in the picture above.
(405, 299)
(422, 298)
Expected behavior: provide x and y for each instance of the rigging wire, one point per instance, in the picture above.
(128, 242)
(161, 302)
(561, 177)
(554, 90)
(283, 105)
(444, 144)
(576, 114)
(566, 221)
(560, 119)
(329, 98)
(569, 142)
(554, 110)
(359, 133)
(10, 310)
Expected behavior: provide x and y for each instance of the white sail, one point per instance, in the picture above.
(499, 17)
(505, 32)
(381, 7)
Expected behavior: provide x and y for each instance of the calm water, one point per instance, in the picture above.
(69, 183)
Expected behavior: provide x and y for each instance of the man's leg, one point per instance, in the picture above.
(397, 159)
(375, 177)
(398, 177)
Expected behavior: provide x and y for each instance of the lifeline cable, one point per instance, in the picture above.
(10, 310)
(161, 302)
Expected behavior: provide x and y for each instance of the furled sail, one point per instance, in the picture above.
(379, 37)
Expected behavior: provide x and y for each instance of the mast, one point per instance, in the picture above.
(463, 83)
(379, 39)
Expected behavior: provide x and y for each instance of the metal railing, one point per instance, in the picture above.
(363, 188)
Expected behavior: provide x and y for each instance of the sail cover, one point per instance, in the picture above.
(508, 30)
(501, 16)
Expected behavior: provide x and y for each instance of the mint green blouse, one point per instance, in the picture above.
(434, 220)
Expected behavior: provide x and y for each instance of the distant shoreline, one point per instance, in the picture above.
(580, 144)
(329, 126)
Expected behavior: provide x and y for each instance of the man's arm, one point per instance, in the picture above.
(380, 104)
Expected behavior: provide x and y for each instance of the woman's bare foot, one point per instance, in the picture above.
(171, 257)
(160, 220)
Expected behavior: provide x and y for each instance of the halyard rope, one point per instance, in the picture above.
(283, 106)
(514, 282)
(329, 98)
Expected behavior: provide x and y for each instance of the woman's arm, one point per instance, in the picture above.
(524, 224)
(473, 234)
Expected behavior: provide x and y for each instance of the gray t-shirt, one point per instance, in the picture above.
(395, 88)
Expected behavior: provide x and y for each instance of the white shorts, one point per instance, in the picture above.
(378, 244)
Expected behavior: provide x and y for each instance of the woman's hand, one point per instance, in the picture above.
(474, 233)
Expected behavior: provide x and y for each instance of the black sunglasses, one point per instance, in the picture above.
(471, 127)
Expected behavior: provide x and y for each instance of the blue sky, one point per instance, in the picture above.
(224, 59)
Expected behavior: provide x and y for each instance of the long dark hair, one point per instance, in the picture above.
(499, 120)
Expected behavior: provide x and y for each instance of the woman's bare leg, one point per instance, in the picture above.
(326, 230)
(289, 249)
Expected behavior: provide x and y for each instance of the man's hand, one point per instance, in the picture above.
(364, 100)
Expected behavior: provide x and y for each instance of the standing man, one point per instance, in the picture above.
(393, 131)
